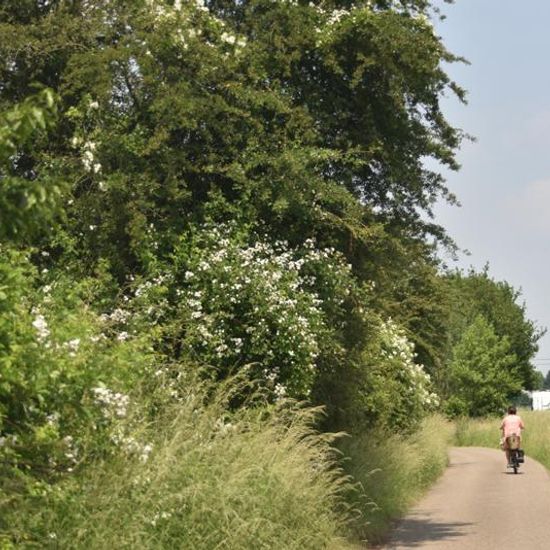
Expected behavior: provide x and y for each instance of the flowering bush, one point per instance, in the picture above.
(377, 384)
(58, 360)
(413, 396)
(390, 391)
(236, 300)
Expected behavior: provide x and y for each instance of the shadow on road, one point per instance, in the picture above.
(412, 533)
(459, 464)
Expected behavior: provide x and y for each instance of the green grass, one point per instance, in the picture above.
(393, 472)
(257, 478)
(260, 478)
(485, 433)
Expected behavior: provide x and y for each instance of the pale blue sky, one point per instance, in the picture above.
(504, 183)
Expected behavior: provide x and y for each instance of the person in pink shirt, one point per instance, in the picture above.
(512, 424)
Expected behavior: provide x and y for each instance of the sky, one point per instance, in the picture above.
(504, 183)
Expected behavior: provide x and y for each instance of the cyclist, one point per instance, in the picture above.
(512, 424)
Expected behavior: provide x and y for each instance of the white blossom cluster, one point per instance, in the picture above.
(132, 447)
(118, 316)
(253, 297)
(89, 161)
(41, 327)
(233, 40)
(415, 379)
(162, 10)
(73, 346)
(185, 26)
(71, 451)
(257, 303)
(113, 404)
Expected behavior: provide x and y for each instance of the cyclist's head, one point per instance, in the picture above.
(511, 410)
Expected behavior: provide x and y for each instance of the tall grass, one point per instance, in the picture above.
(257, 478)
(393, 472)
(486, 433)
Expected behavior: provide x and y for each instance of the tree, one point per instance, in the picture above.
(482, 374)
(297, 120)
(474, 294)
(313, 117)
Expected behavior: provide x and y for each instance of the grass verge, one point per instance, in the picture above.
(393, 472)
(213, 477)
(259, 478)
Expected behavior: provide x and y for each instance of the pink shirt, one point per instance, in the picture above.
(512, 424)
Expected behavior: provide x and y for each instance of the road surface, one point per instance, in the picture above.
(478, 505)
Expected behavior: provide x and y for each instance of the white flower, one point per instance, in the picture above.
(41, 327)
(114, 403)
(280, 390)
(145, 452)
(228, 38)
(200, 5)
(94, 105)
(73, 344)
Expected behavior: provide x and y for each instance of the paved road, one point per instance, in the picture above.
(477, 505)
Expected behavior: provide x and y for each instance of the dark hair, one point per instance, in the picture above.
(511, 410)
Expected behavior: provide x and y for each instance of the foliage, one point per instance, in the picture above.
(481, 373)
(266, 108)
(477, 294)
(539, 382)
(64, 375)
(257, 304)
(232, 301)
(28, 193)
(382, 387)
(193, 190)
(409, 288)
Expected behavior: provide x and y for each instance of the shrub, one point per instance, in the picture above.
(379, 384)
(229, 299)
(65, 373)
